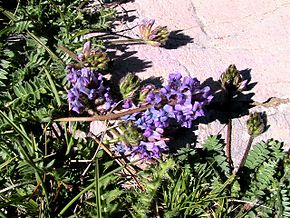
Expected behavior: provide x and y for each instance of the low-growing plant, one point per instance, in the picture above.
(73, 144)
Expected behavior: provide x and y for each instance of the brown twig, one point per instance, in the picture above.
(110, 116)
(229, 97)
(34, 191)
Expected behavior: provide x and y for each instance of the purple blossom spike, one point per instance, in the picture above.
(88, 89)
(179, 102)
(184, 99)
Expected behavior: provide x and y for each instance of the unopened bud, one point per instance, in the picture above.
(129, 85)
(145, 91)
(130, 134)
(158, 36)
(93, 58)
(155, 37)
(256, 123)
(231, 80)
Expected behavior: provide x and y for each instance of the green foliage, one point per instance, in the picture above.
(184, 187)
(216, 156)
(152, 179)
(257, 156)
(36, 178)
(199, 184)
(266, 183)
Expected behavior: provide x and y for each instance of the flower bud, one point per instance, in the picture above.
(98, 60)
(231, 80)
(256, 124)
(155, 37)
(93, 58)
(130, 134)
(145, 91)
(129, 85)
(158, 36)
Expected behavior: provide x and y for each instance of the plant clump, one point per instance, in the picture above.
(124, 150)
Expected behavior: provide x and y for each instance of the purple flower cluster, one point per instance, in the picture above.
(180, 102)
(149, 150)
(88, 90)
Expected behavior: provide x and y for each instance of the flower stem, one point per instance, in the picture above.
(228, 144)
(121, 41)
(110, 116)
(229, 96)
(243, 161)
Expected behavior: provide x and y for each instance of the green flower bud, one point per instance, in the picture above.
(98, 60)
(129, 85)
(93, 58)
(256, 123)
(155, 37)
(145, 91)
(158, 36)
(130, 134)
(231, 80)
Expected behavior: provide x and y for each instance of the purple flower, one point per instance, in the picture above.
(180, 102)
(120, 149)
(184, 99)
(149, 150)
(128, 103)
(88, 89)
(175, 77)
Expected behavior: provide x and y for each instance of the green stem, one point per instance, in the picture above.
(97, 187)
(121, 41)
(76, 198)
(53, 87)
(243, 161)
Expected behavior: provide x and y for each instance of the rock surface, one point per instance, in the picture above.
(208, 36)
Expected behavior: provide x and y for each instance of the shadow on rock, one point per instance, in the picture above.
(125, 63)
(177, 39)
(246, 74)
(120, 1)
(223, 109)
(183, 137)
(125, 17)
(156, 81)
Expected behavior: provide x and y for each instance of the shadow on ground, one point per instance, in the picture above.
(156, 81)
(124, 62)
(177, 39)
(221, 109)
(183, 137)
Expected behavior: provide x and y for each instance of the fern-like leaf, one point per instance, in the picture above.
(257, 155)
(216, 155)
(28, 92)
